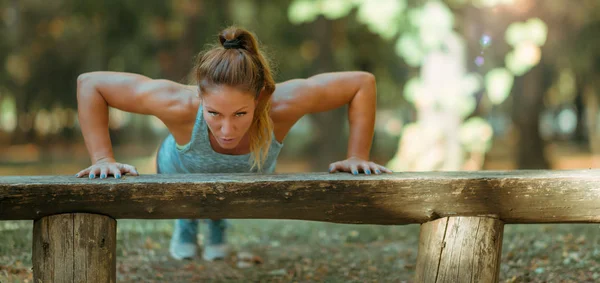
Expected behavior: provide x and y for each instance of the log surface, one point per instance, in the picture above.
(397, 198)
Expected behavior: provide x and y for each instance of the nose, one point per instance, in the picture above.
(228, 128)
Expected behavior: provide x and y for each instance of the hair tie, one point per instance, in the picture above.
(233, 43)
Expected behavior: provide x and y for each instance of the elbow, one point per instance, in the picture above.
(87, 91)
(85, 84)
(369, 82)
(367, 79)
(84, 79)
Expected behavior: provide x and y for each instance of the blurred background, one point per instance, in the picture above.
(462, 85)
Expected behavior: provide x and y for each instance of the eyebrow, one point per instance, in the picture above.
(213, 110)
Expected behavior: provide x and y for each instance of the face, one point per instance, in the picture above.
(228, 112)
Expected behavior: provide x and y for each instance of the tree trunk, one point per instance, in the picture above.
(581, 136)
(528, 99)
(592, 114)
(329, 142)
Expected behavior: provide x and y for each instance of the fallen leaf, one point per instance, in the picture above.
(257, 259)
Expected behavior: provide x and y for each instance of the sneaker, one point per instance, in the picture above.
(181, 251)
(215, 252)
(183, 242)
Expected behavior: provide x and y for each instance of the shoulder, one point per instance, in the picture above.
(186, 101)
(287, 97)
(180, 102)
(180, 108)
(288, 104)
(175, 104)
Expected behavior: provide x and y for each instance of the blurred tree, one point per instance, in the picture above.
(562, 81)
(429, 144)
(584, 55)
(524, 25)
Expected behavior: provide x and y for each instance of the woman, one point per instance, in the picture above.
(233, 121)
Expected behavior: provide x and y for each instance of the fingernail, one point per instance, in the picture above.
(354, 172)
(377, 171)
(77, 175)
(330, 168)
(368, 172)
(118, 176)
(92, 175)
(102, 176)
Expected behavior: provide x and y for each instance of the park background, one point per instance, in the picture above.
(462, 85)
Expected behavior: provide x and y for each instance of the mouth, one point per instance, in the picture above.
(227, 140)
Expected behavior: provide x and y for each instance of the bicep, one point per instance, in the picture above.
(319, 93)
(136, 93)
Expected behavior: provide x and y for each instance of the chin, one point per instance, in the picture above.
(228, 145)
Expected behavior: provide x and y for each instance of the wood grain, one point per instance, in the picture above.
(74, 248)
(397, 198)
(460, 249)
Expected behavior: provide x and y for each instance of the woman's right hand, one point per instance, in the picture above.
(103, 169)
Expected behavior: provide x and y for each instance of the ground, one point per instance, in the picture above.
(302, 251)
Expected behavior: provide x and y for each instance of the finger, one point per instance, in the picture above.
(366, 168)
(354, 169)
(374, 168)
(334, 167)
(94, 170)
(82, 173)
(129, 169)
(116, 171)
(103, 170)
(384, 169)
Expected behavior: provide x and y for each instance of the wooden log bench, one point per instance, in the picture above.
(462, 214)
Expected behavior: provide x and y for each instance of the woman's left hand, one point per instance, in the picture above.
(356, 165)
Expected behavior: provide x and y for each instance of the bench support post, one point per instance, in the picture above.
(74, 247)
(460, 249)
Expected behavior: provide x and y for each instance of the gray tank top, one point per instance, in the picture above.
(198, 156)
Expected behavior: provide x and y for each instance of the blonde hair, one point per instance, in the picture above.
(237, 62)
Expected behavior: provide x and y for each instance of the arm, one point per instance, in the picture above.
(329, 91)
(128, 92)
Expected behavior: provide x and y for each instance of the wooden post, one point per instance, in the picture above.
(74, 247)
(460, 249)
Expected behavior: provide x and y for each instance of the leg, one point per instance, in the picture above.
(183, 241)
(216, 244)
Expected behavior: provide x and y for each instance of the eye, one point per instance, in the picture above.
(240, 114)
(212, 113)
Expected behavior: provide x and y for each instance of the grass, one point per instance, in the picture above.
(303, 251)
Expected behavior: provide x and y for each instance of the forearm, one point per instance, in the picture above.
(361, 116)
(93, 120)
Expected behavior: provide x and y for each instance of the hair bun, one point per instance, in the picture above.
(233, 44)
(238, 38)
